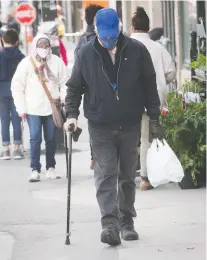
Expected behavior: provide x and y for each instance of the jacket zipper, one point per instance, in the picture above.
(116, 90)
(103, 67)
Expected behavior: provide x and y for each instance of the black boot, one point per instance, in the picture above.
(110, 234)
(128, 232)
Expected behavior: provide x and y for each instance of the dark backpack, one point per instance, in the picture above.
(86, 37)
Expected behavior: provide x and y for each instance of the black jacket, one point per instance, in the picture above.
(124, 106)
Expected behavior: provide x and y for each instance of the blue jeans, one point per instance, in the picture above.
(9, 114)
(35, 126)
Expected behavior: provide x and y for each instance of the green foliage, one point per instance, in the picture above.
(192, 86)
(185, 131)
(199, 63)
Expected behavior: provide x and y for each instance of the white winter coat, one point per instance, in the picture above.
(27, 91)
(162, 61)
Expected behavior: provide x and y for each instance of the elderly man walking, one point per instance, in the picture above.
(119, 81)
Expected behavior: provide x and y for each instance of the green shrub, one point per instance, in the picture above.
(191, 86)
(185, 131)
(199, 63)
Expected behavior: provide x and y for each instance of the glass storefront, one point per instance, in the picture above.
(189, 24)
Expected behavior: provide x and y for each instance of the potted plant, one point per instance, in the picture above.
(200, 65)
(185, 129)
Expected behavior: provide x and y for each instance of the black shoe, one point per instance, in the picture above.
(110, 234)
(128, 232)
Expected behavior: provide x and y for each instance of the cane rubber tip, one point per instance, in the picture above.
(67, 242)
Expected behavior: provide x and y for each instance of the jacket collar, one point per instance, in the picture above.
(139, 36)
(90, 29)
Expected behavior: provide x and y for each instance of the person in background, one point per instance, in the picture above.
(33, 104)
(120, 81)
(12, 24)
(156, 33)
(10, 57)
(165, 73)
(90, 13)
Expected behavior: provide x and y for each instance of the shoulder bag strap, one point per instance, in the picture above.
(47, 92)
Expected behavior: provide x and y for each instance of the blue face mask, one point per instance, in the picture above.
(109, 43)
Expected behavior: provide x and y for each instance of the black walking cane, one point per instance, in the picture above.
(66, 154)
(73, 136)
(65, 139)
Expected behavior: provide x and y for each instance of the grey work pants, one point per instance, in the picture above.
(115, 158)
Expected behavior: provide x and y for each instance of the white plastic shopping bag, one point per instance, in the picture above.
(163, 165)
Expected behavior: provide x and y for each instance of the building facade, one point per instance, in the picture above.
(184, 24)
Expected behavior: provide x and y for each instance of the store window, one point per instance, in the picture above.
(189, 21)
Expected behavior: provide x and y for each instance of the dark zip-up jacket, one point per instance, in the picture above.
(110, 107)
(10, 57)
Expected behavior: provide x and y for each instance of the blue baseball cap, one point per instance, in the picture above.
(107, 23)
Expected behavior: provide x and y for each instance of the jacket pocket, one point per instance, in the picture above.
(93, 103)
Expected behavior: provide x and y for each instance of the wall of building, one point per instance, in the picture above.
(153, 9)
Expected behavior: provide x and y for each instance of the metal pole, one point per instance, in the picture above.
(26, 43)
(178, 38)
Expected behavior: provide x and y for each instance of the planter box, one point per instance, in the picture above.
(187, 183)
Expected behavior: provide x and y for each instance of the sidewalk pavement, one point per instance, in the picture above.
(170, 221)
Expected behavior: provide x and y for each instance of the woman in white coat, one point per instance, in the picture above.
(165, 73)
(33, 105)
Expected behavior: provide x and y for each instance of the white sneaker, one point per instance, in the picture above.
(35, 177)
(18, 155)
(5, 155)
(51, 174)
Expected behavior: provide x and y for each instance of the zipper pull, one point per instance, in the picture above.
(117, 94)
